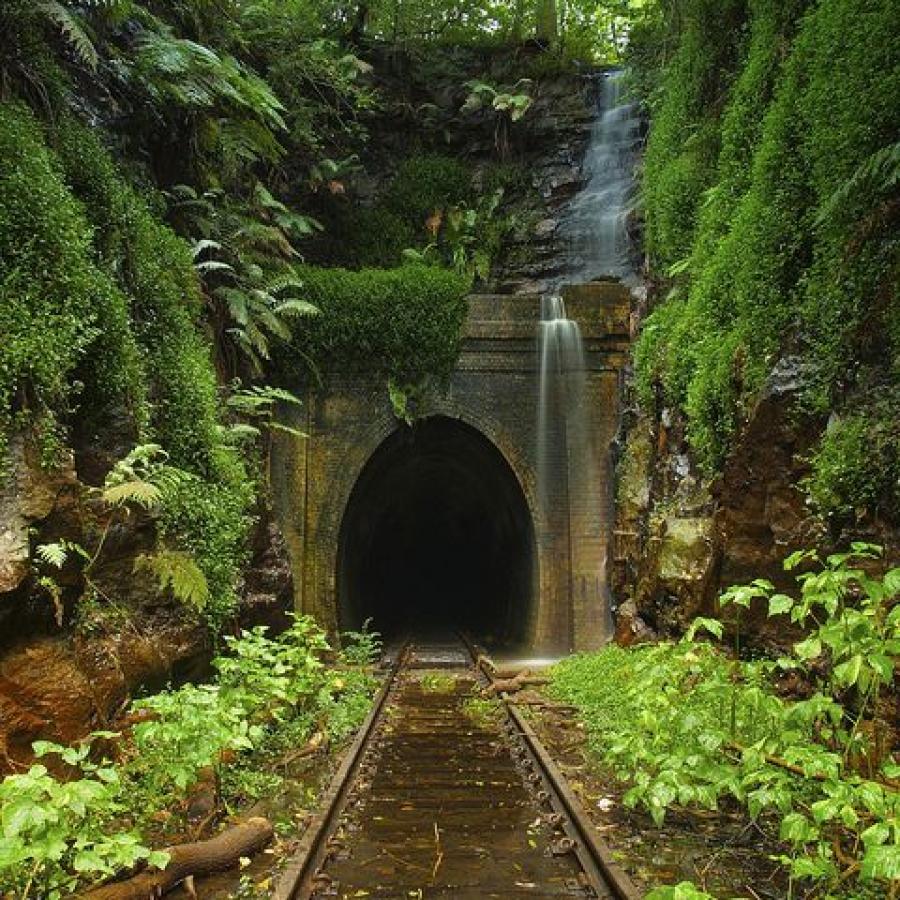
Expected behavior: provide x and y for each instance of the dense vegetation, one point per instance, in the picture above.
(770, 199)
(269, 697)
(687, 724)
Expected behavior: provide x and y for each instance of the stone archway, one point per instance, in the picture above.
(493, 393)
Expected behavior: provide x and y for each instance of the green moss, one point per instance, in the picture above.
(857, 463)
(770, 260)
(60, 314)
(684, 139)
(405, 322)
(154, 267)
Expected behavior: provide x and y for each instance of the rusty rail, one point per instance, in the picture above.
(606, 876)
(296, 880)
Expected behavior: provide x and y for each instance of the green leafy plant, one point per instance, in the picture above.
(363, 647)
(55, 834)
(687, 725)
(510, 104)
(60, 835)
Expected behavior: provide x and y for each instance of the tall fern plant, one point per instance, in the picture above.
(244, 253)
(139, 481)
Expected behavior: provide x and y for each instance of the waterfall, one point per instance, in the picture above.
(573, 467)
(596, 222)
(562, 427)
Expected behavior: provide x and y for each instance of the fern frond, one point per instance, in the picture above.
(143, 493)
(72, 31)
(177, 570)
(878, 174)
(203, 245)
(212, 265)
(53, 554)
(296, 308)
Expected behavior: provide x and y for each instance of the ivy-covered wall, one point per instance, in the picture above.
(770, 200)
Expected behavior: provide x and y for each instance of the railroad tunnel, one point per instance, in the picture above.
(437, 535)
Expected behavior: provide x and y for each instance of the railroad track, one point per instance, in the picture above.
(445, 793)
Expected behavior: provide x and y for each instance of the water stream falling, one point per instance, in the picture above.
(571, 472)
(596, 223)
(562, 426)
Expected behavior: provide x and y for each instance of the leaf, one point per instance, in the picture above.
(143, 493)
(202, 245)
(212, 265)
(881, 862)
(892, 582)
(52, 554)
(713, 626)
(72, 30)
(159, 858)
(848, 673)
(808, 649)
(779, 604)
(177, 570)
(296, 308)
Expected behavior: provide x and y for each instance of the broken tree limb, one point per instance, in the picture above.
(313, 745)
(512, 685)
(200, 858)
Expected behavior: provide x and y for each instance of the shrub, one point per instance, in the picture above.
(405, 322)
(427, 183)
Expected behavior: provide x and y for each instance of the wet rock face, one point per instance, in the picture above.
(679, 543)
(27, 495)
(60, 688)
(761, 513)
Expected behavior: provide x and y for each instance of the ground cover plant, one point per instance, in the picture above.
(694, 724)
(93, 815)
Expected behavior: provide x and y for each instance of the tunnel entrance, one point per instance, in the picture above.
(437, 535)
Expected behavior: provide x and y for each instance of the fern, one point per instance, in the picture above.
(143, 493)
(296, 308)
(72, 30)
(179, 572)
(878, 175)
(54, 555)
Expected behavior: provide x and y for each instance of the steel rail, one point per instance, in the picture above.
(603, 873)
(606, 876)
(297, 877)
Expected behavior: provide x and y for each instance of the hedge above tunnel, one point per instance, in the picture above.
(405, 322)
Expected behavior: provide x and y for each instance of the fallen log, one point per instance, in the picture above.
(512, 685)
(187, 860)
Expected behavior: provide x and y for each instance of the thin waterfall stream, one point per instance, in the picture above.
(569, 466)
(596, 224)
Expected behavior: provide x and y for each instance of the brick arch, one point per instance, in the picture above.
(494, 389)
(355, 457)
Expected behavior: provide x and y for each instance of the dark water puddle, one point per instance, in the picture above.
(442, 808)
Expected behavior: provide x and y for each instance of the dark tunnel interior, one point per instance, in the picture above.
(436, 536)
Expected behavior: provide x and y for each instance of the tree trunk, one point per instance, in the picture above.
(201, 858)
(547, 23)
